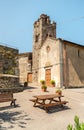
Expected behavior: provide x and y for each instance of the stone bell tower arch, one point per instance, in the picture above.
(42, 29)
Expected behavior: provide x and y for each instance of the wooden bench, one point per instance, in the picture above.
(6, 97)
(47, 106)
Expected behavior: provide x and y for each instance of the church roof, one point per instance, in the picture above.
(70, 42)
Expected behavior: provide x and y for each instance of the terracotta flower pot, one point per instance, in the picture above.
(58, 93)
(43, 89)
(53, 85)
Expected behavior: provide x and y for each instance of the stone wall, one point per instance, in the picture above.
(25, 66)
(8, 60)
(50, 59)
(9, 81)
(9, 71)
(43, 28)
(74, 65)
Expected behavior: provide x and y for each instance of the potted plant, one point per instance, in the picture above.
(44, 88)
(59, 92)
(52, 83)
(42, 82)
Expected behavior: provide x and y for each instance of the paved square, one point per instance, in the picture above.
(26, 117)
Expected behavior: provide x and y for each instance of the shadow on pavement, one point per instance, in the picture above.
(8, 107)
(55, 109)
(29, 87)
(58, 109)
(13, 119)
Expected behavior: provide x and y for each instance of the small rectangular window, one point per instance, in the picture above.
(36, 38)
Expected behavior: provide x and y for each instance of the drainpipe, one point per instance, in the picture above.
(65, 65)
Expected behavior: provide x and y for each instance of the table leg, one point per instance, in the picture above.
(51, 100)
(35, 102)
(43, 102)
(60, 101)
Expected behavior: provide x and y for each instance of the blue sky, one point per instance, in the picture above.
(17, 18)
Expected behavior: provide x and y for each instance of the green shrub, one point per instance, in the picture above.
(77, 125)
(52, 81)
(44, 87)
(59, 91)
(42, 82)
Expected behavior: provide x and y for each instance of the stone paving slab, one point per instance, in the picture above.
(26, 117)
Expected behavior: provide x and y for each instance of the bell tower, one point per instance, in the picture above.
(43, 28)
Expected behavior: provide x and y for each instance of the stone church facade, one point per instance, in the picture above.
(53, 58)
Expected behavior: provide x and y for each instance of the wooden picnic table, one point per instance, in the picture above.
(48, 100)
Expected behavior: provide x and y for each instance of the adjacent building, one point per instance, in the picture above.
(25, 67)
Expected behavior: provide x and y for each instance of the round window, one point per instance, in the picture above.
(48, 48)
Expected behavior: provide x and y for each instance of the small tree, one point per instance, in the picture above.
(77, 125)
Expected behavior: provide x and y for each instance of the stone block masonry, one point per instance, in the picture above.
(9, 81)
